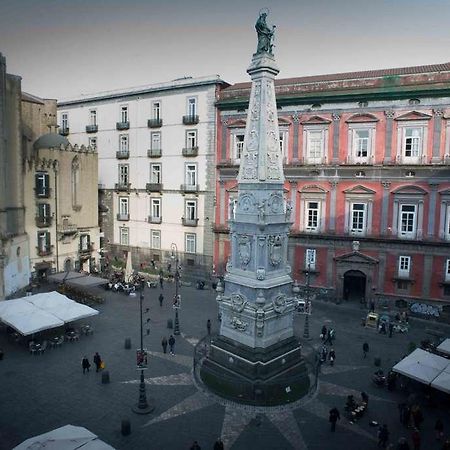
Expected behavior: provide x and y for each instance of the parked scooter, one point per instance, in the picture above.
(152, 284)
(379, 378)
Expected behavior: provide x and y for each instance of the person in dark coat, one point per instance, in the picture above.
(195, 446)
(97, 361)
(161, 279)
(439, 429)
(402, 444)
(161, 299)
(383, 436)
(391, 329)
(164, 344)
(171, 344)
(218, 445)
(334, 417)
(365, 349)
(85, 364)
(416, 439)
(208, 326)
(324, 332)
(332, 356)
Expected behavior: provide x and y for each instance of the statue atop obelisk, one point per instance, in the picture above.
(256, 356)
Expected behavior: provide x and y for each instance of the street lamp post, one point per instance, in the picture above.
(142, 407)
(307, 302)
(177, 298)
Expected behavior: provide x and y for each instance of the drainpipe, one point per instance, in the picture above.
(55, 170)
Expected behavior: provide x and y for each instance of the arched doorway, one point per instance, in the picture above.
(355, 283)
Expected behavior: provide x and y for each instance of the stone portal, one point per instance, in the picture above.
(256, 358)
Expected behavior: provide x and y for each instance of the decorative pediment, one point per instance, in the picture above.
(445, 192)
(414, 115)
(359, 189)
(362, 118)
(356, 258)
(315, 120)
(313, 189)
(240, 123)
(410, 190)
(283, 122)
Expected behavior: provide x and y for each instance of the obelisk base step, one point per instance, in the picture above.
(272, 376)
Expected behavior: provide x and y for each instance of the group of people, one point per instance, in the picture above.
(170, 342)
(327, 335)
(99, 364)
(218, 445)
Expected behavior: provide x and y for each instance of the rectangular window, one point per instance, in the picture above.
(191, 209)
(310, 259)
(358, 218)
(155, 173)
(123, 143)
(238, 146)
(404, 266)
(156, 110)
(192, 106)
(43, 241)
(155, 140)
(124, 235)
(155, 239)
(412, 144)
(124, 174)
(283, 143)
(402, 285)
(155, 208)
(190, 240)
(85, 241)
(315, 146)
(44, 210)
(447, 222)
(407, 225)
(312, 216)
(361, 143)
(191, 138)
(447, 270)
(93, 117)
(93, 143)
(124, 113)
(64, 121)
(191, 174)
(124, 206)
(42, 181)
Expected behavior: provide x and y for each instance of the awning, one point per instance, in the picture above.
(444, 347)
(40, 312)
(67, 437)
(77, 279)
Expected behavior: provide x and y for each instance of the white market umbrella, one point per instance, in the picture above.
(68, 437)
(444, 347)
(442, 381)
(128, 267)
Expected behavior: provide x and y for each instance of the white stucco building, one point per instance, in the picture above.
(156, 155)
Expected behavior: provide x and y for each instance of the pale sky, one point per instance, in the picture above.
(65, 48)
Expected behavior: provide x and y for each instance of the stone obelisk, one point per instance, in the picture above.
(256, 358)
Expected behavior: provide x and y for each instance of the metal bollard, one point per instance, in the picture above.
(127, 343)
(126, 427)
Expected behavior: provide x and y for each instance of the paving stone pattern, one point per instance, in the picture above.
(40, 393)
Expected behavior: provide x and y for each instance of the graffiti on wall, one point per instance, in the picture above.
(424, 309)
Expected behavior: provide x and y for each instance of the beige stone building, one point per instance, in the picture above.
(14, 248)
(61, 203)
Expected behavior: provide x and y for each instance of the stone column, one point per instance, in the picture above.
(436, 157)
(381, 270)
(427, 272)
(223, 149)
(336, 123)
(388, 138)
(330, 265)
(385, 207)
(296, 120)
(332, 225)
(293, 200)
(432, 210)
(222, 220)
(420, 219)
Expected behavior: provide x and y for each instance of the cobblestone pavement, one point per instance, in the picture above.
(40, 393)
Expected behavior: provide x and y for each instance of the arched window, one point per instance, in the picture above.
(75, 181)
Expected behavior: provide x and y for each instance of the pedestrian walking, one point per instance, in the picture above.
(218, 445)
(97, 361)
(171, 344)
(372, 306)
(195, 446)
(323, 333)
(416, 439)
(439, 429)
(332, 357)
(391, 380)
(391, 329)
(383, 436)
(334, 417)
(161, 299)
(365, 398)
(85, 364)
(365, 349)
(208, 326)
(161, 279)
(417, 416)
(164, 344)
(330, 336)
(323, 353)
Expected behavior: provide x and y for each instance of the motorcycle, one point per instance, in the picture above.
(200, 285)
(152, 284)
(379, 379)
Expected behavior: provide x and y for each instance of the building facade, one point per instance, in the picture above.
(60, 184)
(14, 246)
(156, 147)
(367, 165)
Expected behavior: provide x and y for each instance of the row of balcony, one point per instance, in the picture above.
(48, 250)
(151, 123)
(153, 219)
(157, 152)
(156, 187)
(46, 221)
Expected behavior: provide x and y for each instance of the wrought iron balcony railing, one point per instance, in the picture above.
(189, 187)
(122, 154)
(123, 217)
(123, 125)
(190, 119)
(190, 151)
(189, 222)
(154, 152)
(154, 219)
(91, 128)
(154, 123)
(43, 221)
(153, 187)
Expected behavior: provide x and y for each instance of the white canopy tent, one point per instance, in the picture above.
(40, 312)
(68, 437)
(444, 347)
(426, 368)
